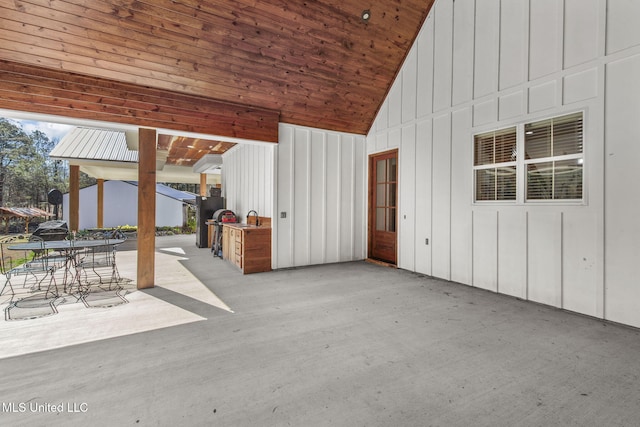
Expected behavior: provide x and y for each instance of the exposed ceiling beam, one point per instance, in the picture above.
(46, 91)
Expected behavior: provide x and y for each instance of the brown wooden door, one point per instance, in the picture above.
(383, 202)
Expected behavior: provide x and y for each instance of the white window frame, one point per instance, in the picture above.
(495, 166)
(522, 164)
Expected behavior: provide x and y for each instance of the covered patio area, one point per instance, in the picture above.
(20, 214)
(343, 344)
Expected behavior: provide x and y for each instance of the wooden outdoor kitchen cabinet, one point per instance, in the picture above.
(248, 247)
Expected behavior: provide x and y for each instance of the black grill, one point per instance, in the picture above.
(220, 217)
(52, 230)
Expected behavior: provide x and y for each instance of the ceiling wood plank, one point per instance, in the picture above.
(123, 103)
(315, 62)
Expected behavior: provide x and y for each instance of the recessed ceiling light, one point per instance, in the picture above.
(366, 14)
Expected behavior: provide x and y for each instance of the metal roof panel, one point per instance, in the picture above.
(94, 144)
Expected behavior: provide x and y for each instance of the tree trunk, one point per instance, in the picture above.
(1, 188)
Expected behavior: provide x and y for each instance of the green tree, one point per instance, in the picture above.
(48, 173)
(27, 174)
(85, 181)
(15, 149)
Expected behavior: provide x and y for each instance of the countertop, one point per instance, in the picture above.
(245, 226)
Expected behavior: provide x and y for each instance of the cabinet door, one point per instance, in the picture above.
(239, 249)
(225, 242)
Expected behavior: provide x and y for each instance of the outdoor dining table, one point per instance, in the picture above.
(64, 245)
(69, 250)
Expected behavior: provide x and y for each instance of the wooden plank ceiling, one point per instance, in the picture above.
(232, 68)
(183, 151)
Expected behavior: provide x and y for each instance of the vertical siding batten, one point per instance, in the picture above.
(324, 198)
(283, 185)
(292, 195)
(497, 266)
(353, 201)
(423, 190)
(450, 194)
(308, 196)
(562, 257)
(463, 21)
(407, 193)
(527, 287)
(425, 69)
(275, 223)
(339, 200)
(602, 79)
(416, 184)
(443, 55)
(472, 282)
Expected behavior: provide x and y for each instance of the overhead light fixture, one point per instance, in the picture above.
(366, 15)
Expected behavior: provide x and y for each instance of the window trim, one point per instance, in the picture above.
(522, 164)
(494, 165)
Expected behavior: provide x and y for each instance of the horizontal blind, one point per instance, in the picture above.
(505, 146)
(537, 140)
(483, 150)
(567, 135)
(540, 181)
(567, 183)
(555, 177)
(494, 180)
(485, 184)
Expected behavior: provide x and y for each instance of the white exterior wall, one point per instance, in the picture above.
(321, 188)
(121, 207)
(483, 65)
(247, 179)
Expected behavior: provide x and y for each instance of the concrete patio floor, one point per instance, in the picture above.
(351, 344)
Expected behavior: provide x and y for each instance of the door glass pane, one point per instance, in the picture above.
(381, 170)
(391, 199)
(380, 201)
(392, 170)
(380, 219)
(391, 225)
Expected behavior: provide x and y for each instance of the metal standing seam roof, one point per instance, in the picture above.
(94, 144)
(23, 212)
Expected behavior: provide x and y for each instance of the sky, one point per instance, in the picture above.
(52, 130)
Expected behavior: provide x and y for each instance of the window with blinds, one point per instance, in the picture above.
(554, 158)
(495, 165)
(535, 161)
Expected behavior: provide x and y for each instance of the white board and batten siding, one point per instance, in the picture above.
(479, 66)
(320, 207)
(247, 179)
(312, 185)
